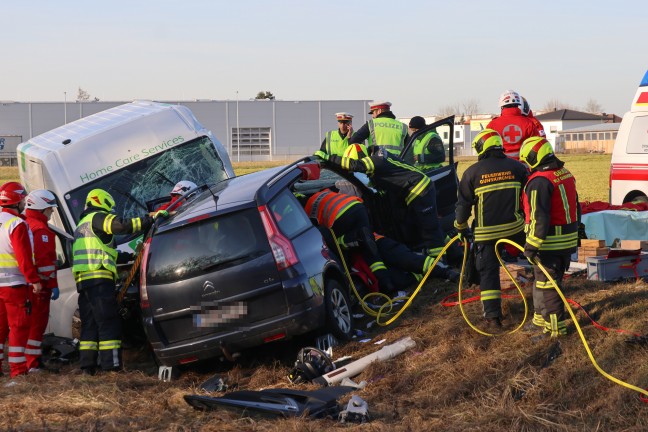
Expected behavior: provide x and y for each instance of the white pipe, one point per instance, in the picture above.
(354, 368)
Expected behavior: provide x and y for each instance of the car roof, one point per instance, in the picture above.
(229, 194)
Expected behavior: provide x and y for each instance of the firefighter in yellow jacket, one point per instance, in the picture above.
(94, 264)
(552, 217)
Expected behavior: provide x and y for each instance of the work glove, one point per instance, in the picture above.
(531, 253)
(322, 155)
(55, 293)
(161, 214)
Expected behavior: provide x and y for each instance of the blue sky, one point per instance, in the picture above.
(420, 55)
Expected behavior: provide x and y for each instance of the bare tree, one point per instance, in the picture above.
(448, 110)
(592, 106)
(555, 105)
(82, 95)
(265, 95)
(470, 107)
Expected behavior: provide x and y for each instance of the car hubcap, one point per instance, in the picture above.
(341, 311)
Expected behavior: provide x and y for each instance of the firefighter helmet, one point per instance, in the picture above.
(101, 199)
(534, 150)
(486, 140)
(525, 107)
(40, 199)
(356, 151)
(510, 97)
(182, 187)
(12, 193)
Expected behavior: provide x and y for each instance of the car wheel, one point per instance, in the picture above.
(339, 318)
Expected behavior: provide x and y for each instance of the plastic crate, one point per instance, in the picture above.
(606, 269)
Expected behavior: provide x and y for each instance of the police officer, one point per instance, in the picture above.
(94, 265)
(512, 126)
(552, 216)
(17, 273)
(428, 148)
(382, 130)
(493, 187)
(336, 141)
(347, 216)
(403, 183)
(40, 205)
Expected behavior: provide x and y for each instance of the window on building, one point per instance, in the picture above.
(568, 137)
(614, 135)
(251, 141)
(588, 136)
(581, 137)
(607, 135)
(445, 135)
(457, 134)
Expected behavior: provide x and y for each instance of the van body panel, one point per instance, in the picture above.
(629, 165)
(103, 146)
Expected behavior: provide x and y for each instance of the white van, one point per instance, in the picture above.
(629, 168)
(136, 152)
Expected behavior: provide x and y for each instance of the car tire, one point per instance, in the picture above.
(339, 317)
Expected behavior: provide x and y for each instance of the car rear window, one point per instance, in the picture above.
(289, 214)
(206, 246)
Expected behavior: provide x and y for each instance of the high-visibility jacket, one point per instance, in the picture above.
(428, 151)
(493, 186)
(91, 257)
(551, 209)
(16, 246)
(387, 133)
(335, 143)
(389, 173)
(327, 206)
(514, 128)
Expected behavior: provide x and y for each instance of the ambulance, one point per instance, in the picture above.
(136, 152)
(629, 167)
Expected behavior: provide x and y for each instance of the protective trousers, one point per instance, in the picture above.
(354, 224)
(546, 300)
(422, 216)
(14, 315)
(40, 307)
(100, 327)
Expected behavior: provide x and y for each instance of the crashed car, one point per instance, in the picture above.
(240, 263)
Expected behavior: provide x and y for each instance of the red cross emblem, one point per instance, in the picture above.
(512, 134)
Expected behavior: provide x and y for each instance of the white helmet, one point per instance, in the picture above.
(40, 200)
(182, 187)
(510, 97)
(525, 107)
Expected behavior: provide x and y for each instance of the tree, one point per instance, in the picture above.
(265, 95)
(84, 96)
(555, 105)
(448, 110)
(592, 106)
(470, 107)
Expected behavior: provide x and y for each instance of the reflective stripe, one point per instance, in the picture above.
(554, 327)
(491, 295)
(99, 274)
(107, 223)
(110, 344)
(34, 351)
(21, 359)
(33, 342)
(369, 165)
(46, 269)
(88, 345)
(565, 201)
(538, 320)
(378, 265)
(417, 190)
(544, 284)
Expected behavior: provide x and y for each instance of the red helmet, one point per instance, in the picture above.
(12, 193)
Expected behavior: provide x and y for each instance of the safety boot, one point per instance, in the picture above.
(493, 325)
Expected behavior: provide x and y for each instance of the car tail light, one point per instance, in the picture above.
(144, 301)
(274, 337)
(282, 248)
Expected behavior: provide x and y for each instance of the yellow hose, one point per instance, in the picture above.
(578, 328)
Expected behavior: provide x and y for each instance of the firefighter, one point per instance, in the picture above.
(427, 148)
(40, 205)
(382, 130)
(347, 216)
(512, 126)
(403, 182)
(336, 141)
(525, 108)
(180, 188)
(95, 270)
(17, 273)
(493, 188)
(552, 218)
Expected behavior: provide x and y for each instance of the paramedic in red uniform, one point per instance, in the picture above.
(512, 126)
(39, 206)
(18, 276)
(525, 108)
(182, 187)
(552, 217)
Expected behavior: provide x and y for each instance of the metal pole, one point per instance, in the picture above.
(238, 131)
(65, 107)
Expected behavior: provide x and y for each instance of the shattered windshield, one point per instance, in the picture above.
(134, 185)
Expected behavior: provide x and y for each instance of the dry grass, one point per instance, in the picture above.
(453, 380)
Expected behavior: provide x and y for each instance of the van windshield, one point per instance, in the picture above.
(134, 185)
